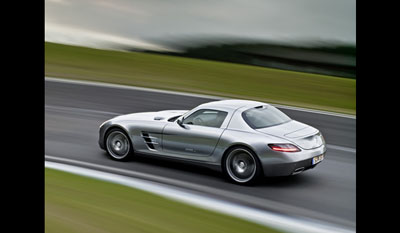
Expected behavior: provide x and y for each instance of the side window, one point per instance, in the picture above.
(206, 117)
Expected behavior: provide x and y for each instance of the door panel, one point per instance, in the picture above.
(190, 140)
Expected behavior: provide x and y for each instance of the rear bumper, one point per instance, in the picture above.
(291, 163)
(288, 169)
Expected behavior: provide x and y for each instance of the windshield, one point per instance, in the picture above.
(264, 116)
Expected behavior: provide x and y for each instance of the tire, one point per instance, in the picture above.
(241, 165)
(118, 145)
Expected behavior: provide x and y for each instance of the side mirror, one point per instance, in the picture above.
(180, 122)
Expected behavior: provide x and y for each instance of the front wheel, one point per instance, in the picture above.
(241, 165)
(118, 145)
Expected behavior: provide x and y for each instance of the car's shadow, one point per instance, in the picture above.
(286, 181)
(199, 170)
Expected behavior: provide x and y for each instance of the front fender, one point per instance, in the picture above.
(105, 127)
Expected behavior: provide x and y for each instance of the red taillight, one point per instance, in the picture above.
(284, 147)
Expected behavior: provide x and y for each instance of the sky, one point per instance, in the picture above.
(162, 24)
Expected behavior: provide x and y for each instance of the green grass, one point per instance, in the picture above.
(79, 204)
(201, 76)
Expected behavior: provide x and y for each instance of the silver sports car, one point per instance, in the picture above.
(243, 139)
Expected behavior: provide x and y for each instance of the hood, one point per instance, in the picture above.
(152, 116)
(305, 136)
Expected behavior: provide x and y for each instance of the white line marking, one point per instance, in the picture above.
(69, 109)
(119, 86)
(342, 148)
(261, 217)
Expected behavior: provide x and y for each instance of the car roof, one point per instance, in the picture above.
(232, 104)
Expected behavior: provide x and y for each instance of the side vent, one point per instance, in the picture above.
(150, 140)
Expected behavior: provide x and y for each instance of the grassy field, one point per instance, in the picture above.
(201, 76)
(80, 204)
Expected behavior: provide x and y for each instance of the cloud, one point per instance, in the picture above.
(63, 2)
(77, 36)
(158, 20)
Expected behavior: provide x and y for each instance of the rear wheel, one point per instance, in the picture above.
(118, 145)
(241, 165)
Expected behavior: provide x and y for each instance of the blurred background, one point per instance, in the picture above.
(316, 36)
(307, 47)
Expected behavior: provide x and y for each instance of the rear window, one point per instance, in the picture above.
(264, 116)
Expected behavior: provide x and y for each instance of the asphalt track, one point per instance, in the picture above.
(73, 113)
